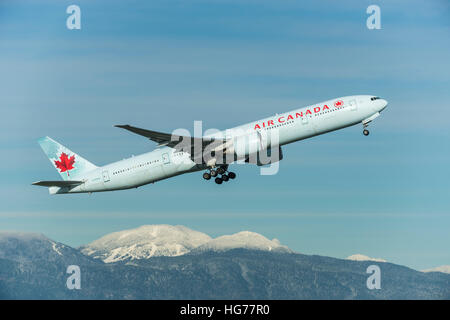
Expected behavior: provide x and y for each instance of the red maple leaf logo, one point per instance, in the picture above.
(65, 163)
(338, 103)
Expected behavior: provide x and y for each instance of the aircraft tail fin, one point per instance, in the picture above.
(69, 164)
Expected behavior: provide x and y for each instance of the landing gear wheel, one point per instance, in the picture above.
(225, 177)
(231, 175)
(213, 173)
(206, 176)
(219, 180)
(220, 170)
(366, 132)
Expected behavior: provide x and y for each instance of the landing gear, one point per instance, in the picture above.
(221, 174)
(206, 176)
(365, 131)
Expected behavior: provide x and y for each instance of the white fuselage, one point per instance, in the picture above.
(292, 126)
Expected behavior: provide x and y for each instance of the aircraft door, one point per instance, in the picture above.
(353, 105)
(165, 158)
(105, 176)
(306, 126)
(167, 167)
(305, 119)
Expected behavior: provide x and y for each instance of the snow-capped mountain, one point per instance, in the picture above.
(444, 269)
(361, 257)
(246, 240)
(165, 240)
(145, 242)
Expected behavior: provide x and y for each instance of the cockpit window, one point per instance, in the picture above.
(375, 98)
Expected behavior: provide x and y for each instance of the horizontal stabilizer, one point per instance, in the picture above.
(58, 183)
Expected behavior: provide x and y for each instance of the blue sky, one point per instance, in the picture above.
(163, 64)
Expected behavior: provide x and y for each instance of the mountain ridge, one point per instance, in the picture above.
(33, 269)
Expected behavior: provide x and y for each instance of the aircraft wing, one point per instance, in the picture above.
(58, 183)
(175, 141)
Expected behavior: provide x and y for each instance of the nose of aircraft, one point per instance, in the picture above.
(382, 104)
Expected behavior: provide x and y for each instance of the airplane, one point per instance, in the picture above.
(179, 154)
